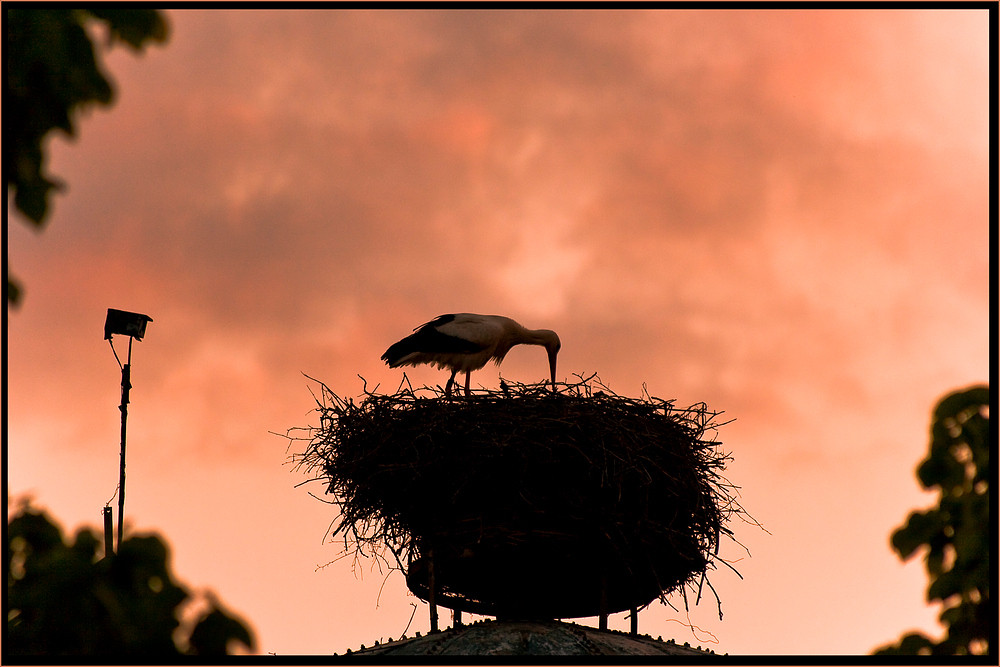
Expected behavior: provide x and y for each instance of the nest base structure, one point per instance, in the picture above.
(524, 503)
(520, 588)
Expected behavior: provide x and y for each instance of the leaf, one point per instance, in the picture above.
(920, 529)
(947, 584)
(133, 26)
(214, 632)
(13, 291)
(958, 402)
(911, 644)
(35, 528)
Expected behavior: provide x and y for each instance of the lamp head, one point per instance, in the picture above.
(125, 323)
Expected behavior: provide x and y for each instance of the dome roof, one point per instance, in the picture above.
(530, 638)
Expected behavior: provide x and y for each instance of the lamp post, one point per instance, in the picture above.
(132, 325)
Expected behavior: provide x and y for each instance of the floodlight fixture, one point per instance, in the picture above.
(125, 323)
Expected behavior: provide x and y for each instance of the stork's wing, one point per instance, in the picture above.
(429, 340)
(437, 321)
(483, 330)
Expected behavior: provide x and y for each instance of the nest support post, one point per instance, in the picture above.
(603, 605)
(431, 592)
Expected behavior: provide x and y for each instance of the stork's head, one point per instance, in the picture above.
(551, 343)
(547, 339)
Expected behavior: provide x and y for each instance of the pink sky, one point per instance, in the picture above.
(784, 214)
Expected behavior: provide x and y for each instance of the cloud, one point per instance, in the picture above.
(691, 183)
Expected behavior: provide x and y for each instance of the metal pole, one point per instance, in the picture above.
(126, 385)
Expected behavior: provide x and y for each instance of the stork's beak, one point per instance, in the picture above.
(552, 367)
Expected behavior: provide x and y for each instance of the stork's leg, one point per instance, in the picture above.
(467, 392)
(451, 380)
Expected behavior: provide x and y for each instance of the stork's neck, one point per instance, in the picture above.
(543, 337)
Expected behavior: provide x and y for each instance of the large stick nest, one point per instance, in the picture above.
(533, 503)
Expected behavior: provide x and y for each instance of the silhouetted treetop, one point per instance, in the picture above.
(52, 72)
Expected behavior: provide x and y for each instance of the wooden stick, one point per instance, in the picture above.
(109, 533)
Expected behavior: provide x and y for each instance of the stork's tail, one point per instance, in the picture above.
(397, 351)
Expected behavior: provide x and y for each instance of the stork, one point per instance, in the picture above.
(465, 342)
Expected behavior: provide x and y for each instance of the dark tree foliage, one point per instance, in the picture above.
(956, 535)
(66, 599)
(51, 73)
